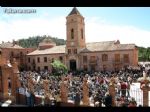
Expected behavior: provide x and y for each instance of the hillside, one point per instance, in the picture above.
(33, 42)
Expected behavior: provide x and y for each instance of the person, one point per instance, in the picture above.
(123, 88)
(128, 89)
(108, 100)
(77, 99)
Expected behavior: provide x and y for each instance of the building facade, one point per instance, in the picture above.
(79, 55)
(10, 50)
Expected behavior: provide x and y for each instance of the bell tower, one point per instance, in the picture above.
(75, 31)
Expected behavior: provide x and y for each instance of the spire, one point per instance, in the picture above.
(74, 11)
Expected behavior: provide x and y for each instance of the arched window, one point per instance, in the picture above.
(72, 34)
(82, 33)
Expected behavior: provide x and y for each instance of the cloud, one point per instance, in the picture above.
(97, 29)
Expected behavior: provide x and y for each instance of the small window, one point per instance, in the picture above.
(45, 59)
(72, 34)
(33, 61)
(60, 58)
(82, 33)
(0, 52)
(69, 51)
(38, 59)
(28, 60)
(45, 67)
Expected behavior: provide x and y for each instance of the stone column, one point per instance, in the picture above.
(145, 97)
(63, 91)
(46, 88)
(112, 90)
(85, 93)
(144, 81)
(14, 78)
(5, 73)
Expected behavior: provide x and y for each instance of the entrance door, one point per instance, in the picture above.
(72, 65)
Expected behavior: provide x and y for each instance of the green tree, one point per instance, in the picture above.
(58, 68)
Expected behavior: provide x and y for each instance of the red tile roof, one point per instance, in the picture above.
(90, 47)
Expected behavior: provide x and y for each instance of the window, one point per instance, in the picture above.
(75, 51)
(126, 58)
(60, 58)
(82, 33)
(69, 51)
(45, 67)
(28, 60)
(72, 34)
(84, 59)
(104, 57)
(0, 52)
(45, 59)
(38, 59)
(117, 57)
(33, 61)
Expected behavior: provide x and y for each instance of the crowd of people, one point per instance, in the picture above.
(98, 83)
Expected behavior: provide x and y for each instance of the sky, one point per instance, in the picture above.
(127, 24)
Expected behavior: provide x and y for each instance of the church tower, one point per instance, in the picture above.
(75, 31)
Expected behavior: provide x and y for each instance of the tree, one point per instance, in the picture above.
(58, 68)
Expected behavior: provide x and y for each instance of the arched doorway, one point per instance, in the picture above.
(73, 65)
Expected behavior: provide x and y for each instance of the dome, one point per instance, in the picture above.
(47, 40)
(46, 43)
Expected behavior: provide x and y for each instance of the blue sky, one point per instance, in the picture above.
(128, 24)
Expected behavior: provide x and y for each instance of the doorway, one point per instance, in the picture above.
(73, 65)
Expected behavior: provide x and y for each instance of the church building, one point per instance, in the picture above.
(79, 55)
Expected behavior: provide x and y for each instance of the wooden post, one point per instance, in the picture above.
(112, 90)
(145, 87)
(46, 92)
(63, 91)
(14, 78)
(85, 93)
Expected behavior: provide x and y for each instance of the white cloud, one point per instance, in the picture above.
(97, 29)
